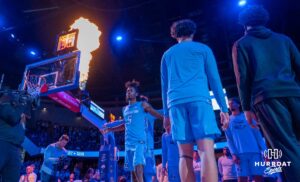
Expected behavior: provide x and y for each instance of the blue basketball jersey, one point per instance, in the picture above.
(135, 124)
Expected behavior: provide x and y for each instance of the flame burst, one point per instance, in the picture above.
(88, 41)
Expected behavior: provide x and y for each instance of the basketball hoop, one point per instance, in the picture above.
(35, 85)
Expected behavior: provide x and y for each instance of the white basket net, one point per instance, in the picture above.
(33, 85)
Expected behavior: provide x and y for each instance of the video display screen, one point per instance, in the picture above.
(67, 41)
(97, 110)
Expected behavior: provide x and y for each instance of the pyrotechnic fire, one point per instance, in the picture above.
(88, 41)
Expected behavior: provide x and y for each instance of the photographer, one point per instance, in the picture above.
(55, 158)
(15, 109)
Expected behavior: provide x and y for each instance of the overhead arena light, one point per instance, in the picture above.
(242, 3)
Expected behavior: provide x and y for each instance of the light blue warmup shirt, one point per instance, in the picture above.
(135, 124)
(51, 154)
(242, 138)
(170, 151)
(187, 69)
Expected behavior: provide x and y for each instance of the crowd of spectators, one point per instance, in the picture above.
(79, 170)
(81, 138)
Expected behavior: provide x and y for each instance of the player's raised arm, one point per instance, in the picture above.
(148, 108)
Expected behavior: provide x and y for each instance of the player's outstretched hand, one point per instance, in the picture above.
(249, 117)
(166, 120)
(104, 131)
(224, 120)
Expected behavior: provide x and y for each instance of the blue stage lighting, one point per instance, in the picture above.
(242, 2)
(119, 38)
(33, 53)
(12, 35)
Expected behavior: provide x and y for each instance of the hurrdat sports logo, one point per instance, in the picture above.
(272, 162)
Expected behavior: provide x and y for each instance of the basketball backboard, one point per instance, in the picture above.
(56, 74)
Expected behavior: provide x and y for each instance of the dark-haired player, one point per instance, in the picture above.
(267, 70)
(187, 69)
(245, 143)
(135, 114)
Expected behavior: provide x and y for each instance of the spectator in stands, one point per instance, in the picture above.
(226, 167)
(30, 176)
(197, 166)
(96, 176)
(64, 174)
(89, 175)
(122, 179)
(72, 177)
(34, 170)
(77, 170)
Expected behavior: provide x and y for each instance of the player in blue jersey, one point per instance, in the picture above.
(245, 143)
(135, 114)
(150, 167)
(170, 155)
(187, 69)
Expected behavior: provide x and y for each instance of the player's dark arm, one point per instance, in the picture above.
(295, 58)
(148, 108)
(242, 75)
